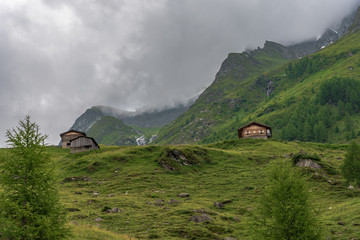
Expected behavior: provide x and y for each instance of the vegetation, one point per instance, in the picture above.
(285, 207)
(29, 203)
(351, 167)
(143, 194)
(112, 131)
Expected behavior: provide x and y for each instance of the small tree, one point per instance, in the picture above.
(351, 166)
(29, 205)
(285, 211)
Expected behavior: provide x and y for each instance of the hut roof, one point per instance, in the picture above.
(87, 138)
(72, 130)
(254, 123)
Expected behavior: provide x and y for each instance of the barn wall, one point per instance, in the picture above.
(66, 138)
(82, 144)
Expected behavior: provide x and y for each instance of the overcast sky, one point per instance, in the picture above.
(60, 57)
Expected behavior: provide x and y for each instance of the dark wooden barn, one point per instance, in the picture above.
(66, 137)
(83, 143)
(255, 130)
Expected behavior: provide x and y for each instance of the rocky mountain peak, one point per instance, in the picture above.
(349, 24)
(355, 22)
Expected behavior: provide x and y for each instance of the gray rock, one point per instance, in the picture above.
(308, 163)
(114, 210)
(99, 219)
(183, 195)
(201, 218)
(173, 201)
(219, 205)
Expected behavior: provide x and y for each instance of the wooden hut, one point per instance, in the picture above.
(83, 143)
(66, 137)
(255, 130)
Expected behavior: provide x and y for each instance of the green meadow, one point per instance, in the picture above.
(168, 192)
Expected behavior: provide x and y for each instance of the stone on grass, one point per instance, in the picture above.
(201, 218)
(219, 205)
(183, 195)
(173, 201)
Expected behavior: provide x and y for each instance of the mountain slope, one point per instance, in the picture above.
(233, 92)
(330, 35)
(105, 123)
(285, 97)
(112, 131)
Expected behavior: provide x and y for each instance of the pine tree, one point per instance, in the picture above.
(320, 132)
(29, 204)
(285, 210)
(308, 130)
(351, 166)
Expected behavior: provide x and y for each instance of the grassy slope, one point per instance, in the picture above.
(131, 179)
(112, 131)
(208, 121)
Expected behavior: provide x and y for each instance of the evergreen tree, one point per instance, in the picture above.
(320, 132)
(341, 108)
(285, 210)
(308, 130)
(29, 205)
(351, 166)
(348, 123)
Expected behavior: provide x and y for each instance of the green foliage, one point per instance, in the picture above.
(112, 131)
(351, 166)
(346, 90)
(29, 203)
(285, 209)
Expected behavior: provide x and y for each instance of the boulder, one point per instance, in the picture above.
(114, 210)
(219, 205)
(183, 195)
(308, 163)
(173, 201)
(201, 218)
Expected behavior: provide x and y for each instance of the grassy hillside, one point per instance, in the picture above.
(141, 185)
(284, 97)
(112, 131)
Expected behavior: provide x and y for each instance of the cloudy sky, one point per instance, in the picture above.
(60, 57)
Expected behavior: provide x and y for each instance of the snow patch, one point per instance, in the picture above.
(334, 31)
(141, 140)
(153, 137)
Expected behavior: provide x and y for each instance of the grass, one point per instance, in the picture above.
(133, 180)
(89, 232)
